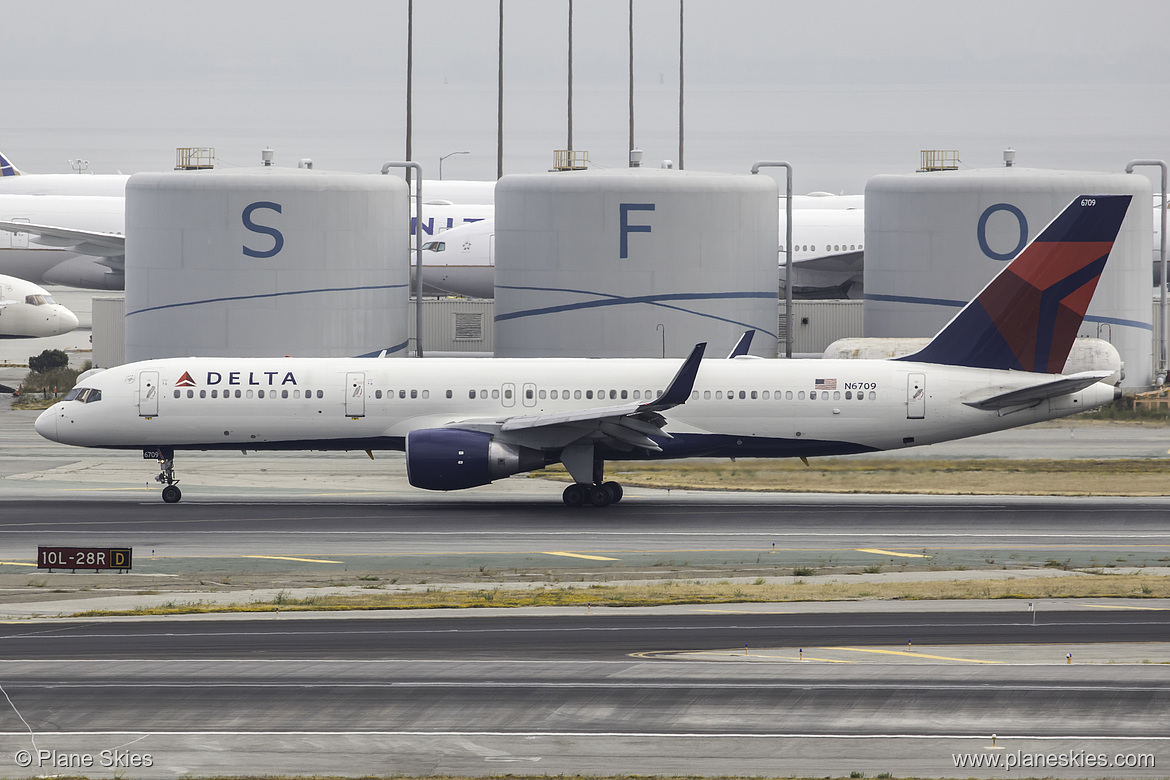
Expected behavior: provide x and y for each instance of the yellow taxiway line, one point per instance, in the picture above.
(283, 558)
(889, 552)
(911, 655)
(579, 555)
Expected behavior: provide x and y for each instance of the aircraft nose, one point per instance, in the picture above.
(67, 320)
(46, 424)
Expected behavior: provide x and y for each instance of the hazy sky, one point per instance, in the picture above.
(842, 88)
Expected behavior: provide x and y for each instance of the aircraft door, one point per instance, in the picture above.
(355, 394)
(529, 396)
(508, 394)
(916, 396)
(148, 394)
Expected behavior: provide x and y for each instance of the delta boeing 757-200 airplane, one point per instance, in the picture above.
(464, 422)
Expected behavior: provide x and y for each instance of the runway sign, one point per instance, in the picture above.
(94, 558)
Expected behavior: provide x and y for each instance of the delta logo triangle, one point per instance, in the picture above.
(185, 380)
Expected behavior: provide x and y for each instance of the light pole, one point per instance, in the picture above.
(444, 157)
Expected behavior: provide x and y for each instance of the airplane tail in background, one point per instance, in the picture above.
(7, 168)
(1027, 317)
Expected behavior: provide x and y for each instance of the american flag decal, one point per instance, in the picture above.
(826, 384)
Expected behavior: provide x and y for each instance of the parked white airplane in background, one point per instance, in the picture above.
(828, 254)
(73, 240)
(28, 312)
(464, 423)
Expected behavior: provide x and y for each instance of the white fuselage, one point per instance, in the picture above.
(28, 311)
(743, 407)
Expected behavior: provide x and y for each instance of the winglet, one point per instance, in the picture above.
(679, 389)
(743, 345)
(7, 168)
(1026, 318)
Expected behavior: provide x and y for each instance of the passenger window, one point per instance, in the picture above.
(787, 395)
(259, 394)
(694, 395)
(378, 394)
(577, 394)
(449, 394)
(799, 396)
(320, 393)
(496, 394)
(508, 394)
(543, 394)
(190, 393)
(872, 395)
(238, 394)
(215, 394)
(812, 396)
(625, 394)
(589, 394)
(202, 393)
(402, 394)
(706, 395)
(766, 396)
(638, 395)
(836, 395)
(848, 395)
(483, 393)
(718, 395)
(426, 394)
(756, 395)
(612, 394)
(296, 393)
(248, 394)
(178, 393)
(471, 394)
(414, 393)
(554, 394)
(284, 393)
(742, 395)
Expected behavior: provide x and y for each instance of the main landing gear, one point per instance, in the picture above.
(602, 494)
(171, 493)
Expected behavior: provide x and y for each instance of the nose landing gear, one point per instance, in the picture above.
(166, 463)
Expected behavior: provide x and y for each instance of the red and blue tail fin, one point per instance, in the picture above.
(7, 168)
(1027, 317)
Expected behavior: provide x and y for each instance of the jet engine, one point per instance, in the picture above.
(454, 459)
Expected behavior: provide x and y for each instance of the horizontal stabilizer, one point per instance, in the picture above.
(1002, 398)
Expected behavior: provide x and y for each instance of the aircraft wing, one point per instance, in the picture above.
(624, 426)
(85, 242)
(1002, 398)
(842, 261)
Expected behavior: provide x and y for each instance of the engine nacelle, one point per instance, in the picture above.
(453, 459)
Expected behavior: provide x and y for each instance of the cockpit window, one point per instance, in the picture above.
(38, 300)
(87, 395)
(435, 246)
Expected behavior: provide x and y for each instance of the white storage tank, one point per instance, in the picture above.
(636, 262)
(934, 240)
(266, 262)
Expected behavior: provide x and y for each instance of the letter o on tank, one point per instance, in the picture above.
(981, 231)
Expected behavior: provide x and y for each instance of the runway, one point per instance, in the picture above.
(572, 693)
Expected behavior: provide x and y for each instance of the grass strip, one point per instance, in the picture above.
(1131, 477)
(675, 592)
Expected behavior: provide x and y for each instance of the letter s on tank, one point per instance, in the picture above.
(277, 236)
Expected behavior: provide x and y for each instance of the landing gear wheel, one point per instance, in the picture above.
(574, 495)
(615, 491)
(171, 494)
(600, 496)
